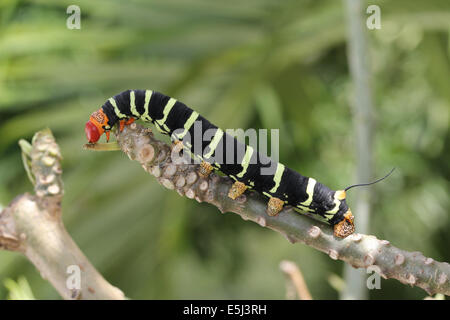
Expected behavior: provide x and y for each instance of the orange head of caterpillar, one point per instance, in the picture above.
(345, 227)
(96, 126)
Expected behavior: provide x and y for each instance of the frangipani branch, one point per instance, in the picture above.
(359, 250)
(32, 225)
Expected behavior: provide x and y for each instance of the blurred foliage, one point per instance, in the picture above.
(242, 64)
(19, 290)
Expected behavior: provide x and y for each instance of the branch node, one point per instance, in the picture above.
(333, 254)
(156, 171)
(180, 182)
(146, 154)
(54, 189)
(203, 185)
(289, 237)
(48, 161)
(369, 259)
(191, 177)
(170, 170)
(411, 279)
(190, 193)
(262, 221)
(314, 232)
(167, 183)
(442, 278)
(399, 259)
(356, 237)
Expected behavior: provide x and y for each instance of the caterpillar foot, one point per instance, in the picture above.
(123, 123)
(345, 227)
(237, 189)
(274, 206)
(205, 169)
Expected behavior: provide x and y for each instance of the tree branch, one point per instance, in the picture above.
(359, 250)
(295, 280)
(363, 118)
(32, 225)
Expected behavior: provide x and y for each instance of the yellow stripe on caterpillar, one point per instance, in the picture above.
(245, 161)
(305, 209)
(133, 109)
(277, 177)
(119, 114)
(309, 192)
(161, 123)
(148, 95)
(337, 203)
(188, 124)
(214, 142)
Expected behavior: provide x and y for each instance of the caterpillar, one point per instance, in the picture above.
(280, 184)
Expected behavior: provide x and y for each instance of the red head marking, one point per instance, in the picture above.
(95, 127)
(92, 133)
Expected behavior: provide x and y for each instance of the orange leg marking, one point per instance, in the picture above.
(205, 169)
(274, 206)
(236, 190)
(346, 227)
(124, 123)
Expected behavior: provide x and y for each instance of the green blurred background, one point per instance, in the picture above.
(241, 64)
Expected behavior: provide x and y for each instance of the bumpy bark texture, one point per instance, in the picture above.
(359, 250)
(32, 225)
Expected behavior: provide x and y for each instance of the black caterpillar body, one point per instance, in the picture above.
(278, 182)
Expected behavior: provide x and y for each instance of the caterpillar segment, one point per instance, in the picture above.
(248, 168)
